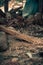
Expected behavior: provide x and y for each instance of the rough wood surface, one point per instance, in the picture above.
(20, 36)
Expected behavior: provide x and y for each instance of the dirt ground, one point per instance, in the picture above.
(22, 53)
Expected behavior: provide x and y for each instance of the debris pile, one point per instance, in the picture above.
(24, 45)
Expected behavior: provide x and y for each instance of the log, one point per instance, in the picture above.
(19, 35)
(15, 33)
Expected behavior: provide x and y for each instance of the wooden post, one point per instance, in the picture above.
(6, 5)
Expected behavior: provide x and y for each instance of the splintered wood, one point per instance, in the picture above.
(21, 36)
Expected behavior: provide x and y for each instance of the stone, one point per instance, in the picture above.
(14, 59)
(30, 19)
(29, 54)
(37, 16)
(3, 41)
(8, 16)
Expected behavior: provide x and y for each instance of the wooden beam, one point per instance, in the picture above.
(19, 35)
